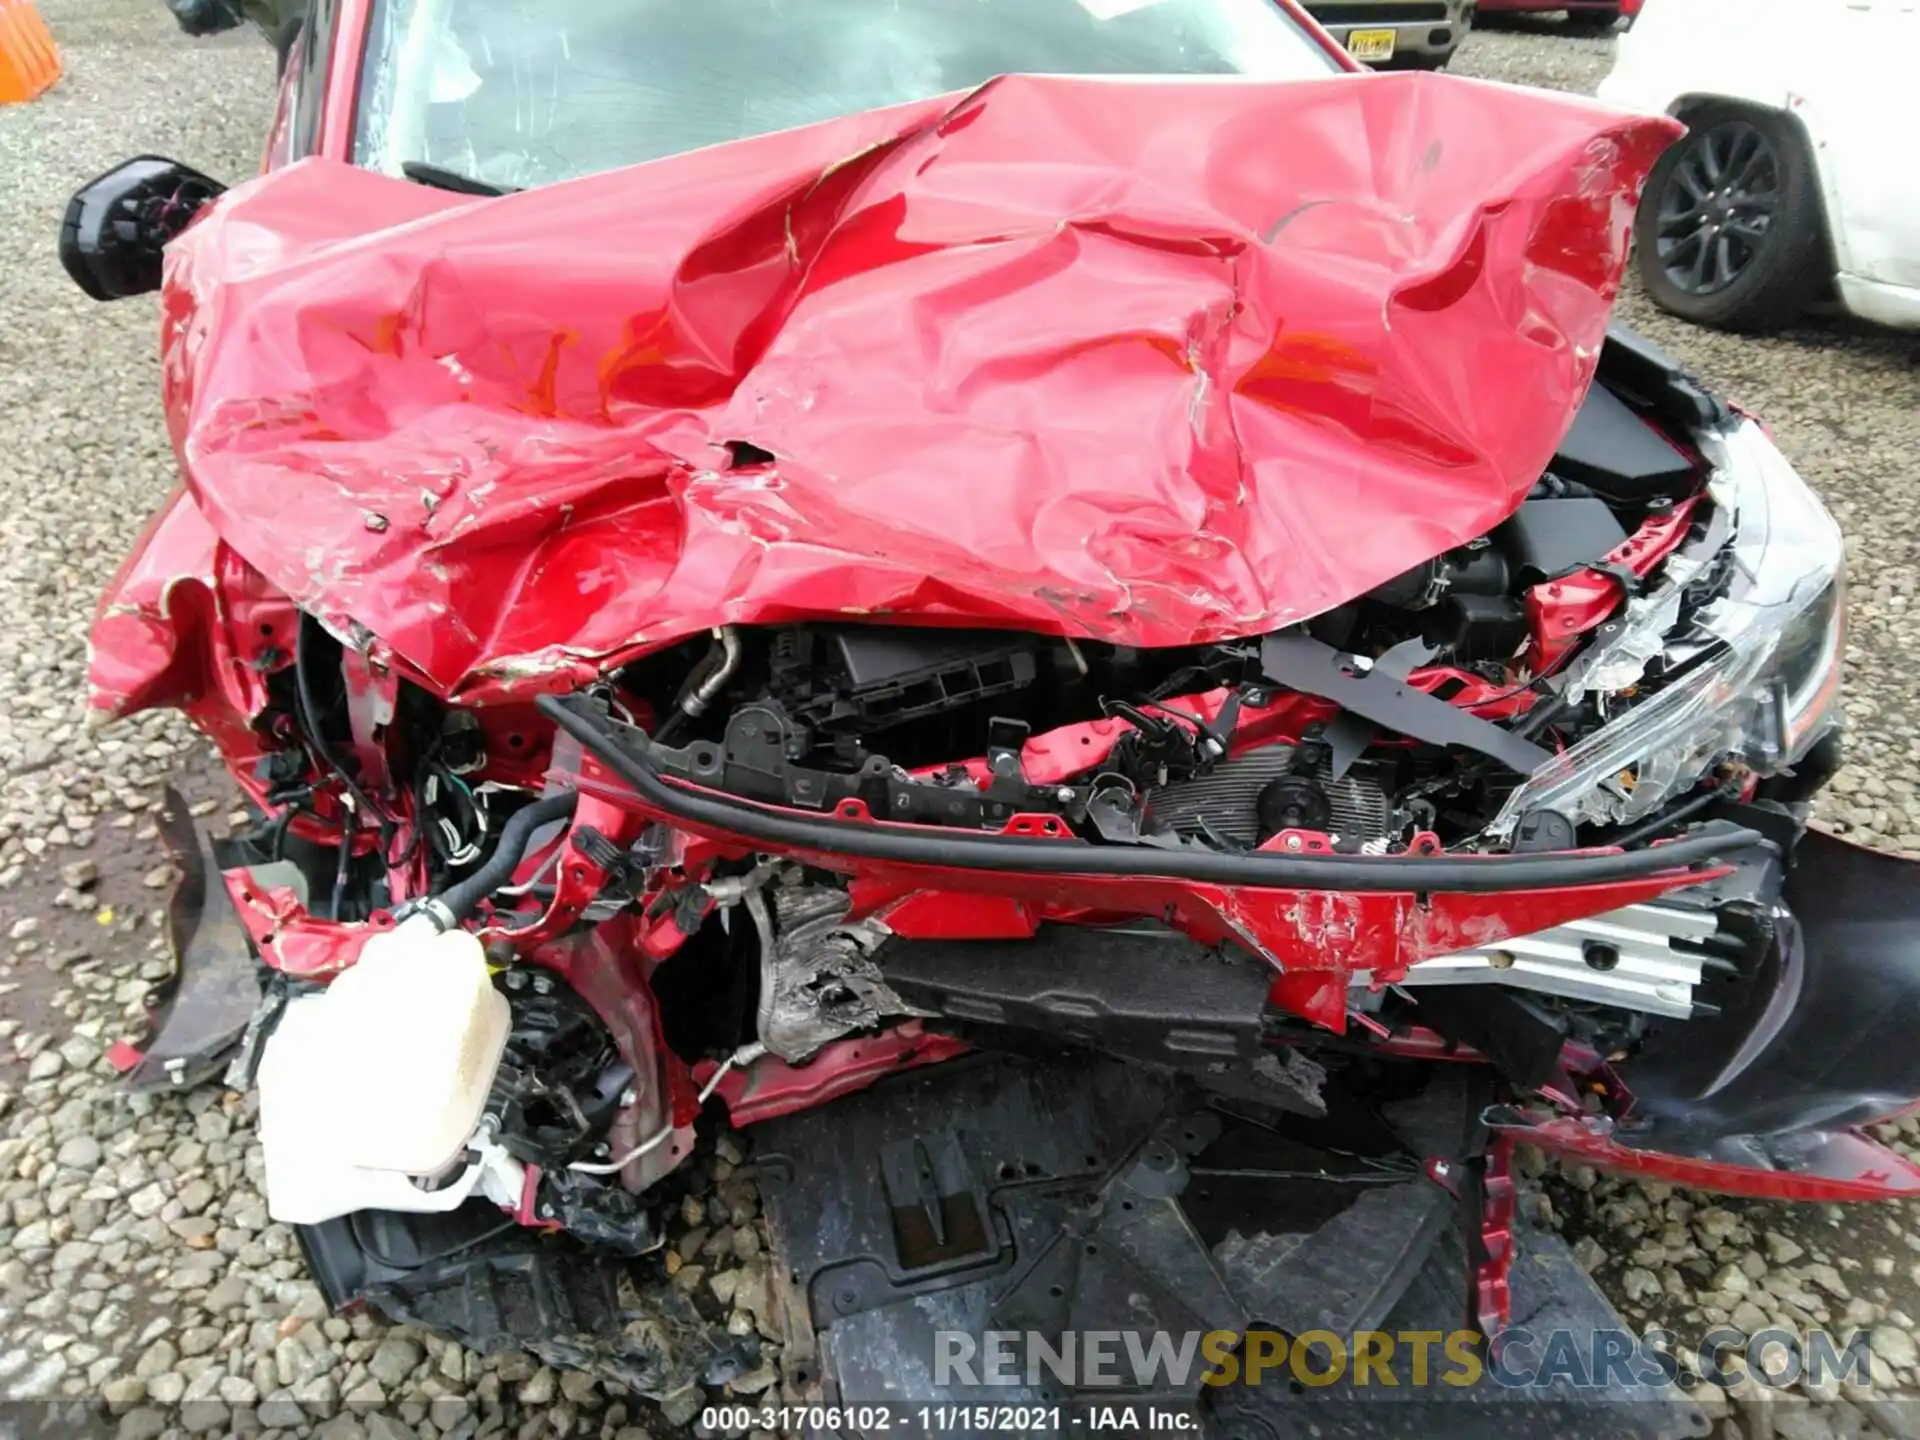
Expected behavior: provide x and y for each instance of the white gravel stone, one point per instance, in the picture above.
(1895, 1346)
(1782, 1249)
(1732, 1280)
(393, 1361)
(368, 1394)
(280, 1411)
(167, 1389)
(82, 1152)
(1827, 1278)
(539, 1389)
(156, 1359)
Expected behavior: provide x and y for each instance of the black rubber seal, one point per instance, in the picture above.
(779, 828)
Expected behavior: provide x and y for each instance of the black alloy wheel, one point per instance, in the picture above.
(1730, 230)
(1717, 206)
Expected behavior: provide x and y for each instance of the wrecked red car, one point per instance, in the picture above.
(1135, 629)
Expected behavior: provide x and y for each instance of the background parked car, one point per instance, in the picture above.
(279, 20)
(1795, 178)
(1581, 14)
(1417, 34)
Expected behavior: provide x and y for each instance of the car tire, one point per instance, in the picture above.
(1731, 232)
(1604, 18)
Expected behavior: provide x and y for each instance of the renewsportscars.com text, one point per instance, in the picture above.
(1389, 1359)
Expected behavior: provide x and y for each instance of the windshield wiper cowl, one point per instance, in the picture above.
(441, 178)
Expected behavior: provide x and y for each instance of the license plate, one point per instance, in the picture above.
(1370, 44)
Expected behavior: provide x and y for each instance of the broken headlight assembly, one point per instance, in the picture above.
(1746, 674)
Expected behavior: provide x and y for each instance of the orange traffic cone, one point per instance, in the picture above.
(29, 60)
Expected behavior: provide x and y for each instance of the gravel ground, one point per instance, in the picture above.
(137, 1264)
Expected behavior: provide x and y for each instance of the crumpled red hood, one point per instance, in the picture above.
(1149, 362)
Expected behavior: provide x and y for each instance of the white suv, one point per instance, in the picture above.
(1795, 177)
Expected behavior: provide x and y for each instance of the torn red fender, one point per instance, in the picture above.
(1179, 383)
(290, 937)
(770, 1086)
(1840, 1164)
(185, 621)
(604, 967)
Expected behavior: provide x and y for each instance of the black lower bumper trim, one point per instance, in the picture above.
(705, 809)
(197, 1016)
(1824, 1037)
(475, 1277)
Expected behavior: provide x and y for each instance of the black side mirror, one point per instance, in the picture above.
(115, 227)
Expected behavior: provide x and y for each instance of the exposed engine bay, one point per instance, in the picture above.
(1510, 844)
(705, 807)
(777, 863)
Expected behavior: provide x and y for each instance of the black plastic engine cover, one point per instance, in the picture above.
(1476, 628)
(1549, 537)
(1615, 453)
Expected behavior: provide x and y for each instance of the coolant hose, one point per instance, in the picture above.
(457, 902)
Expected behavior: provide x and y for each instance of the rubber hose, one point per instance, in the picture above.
(516, 835)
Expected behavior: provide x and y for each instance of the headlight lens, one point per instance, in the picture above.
(1765, 652)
